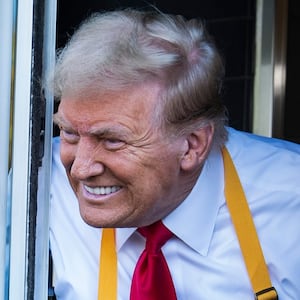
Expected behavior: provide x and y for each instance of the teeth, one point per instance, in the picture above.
(102, 190)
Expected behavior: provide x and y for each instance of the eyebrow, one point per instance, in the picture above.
(58, 120)
(114, 131)
(109, 130)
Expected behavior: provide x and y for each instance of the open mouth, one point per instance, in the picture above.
(102, 190)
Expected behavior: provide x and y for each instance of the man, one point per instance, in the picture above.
(141, 141)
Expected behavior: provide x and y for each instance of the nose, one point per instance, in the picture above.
(86, 163)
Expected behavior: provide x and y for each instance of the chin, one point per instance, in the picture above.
(90, 219)
(92, 222)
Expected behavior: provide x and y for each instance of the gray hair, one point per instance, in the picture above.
(120, 49)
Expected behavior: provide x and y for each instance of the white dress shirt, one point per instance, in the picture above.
(204, 257)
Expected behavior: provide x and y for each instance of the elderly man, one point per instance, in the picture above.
(144, 146)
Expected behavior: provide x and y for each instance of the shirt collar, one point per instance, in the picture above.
(122, 235)
(194, 219)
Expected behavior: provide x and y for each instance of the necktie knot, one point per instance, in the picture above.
(156, 234)
(152, 279)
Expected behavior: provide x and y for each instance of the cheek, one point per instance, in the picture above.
(159, 174)
(67, 155)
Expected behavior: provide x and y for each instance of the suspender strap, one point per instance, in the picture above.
(246, 232)
(107, 285)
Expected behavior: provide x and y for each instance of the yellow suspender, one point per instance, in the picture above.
(107, 285)
(245, 230)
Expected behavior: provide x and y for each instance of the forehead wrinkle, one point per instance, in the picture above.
(109, 130)
(59, 120)
(95, 130)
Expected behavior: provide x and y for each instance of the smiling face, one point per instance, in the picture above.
(124, 171)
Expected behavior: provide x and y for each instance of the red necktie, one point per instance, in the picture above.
(151, 278)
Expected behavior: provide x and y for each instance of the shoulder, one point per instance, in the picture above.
(241, 137)
(265, 161)
(269, 171)
(246, 139)
(56, 151)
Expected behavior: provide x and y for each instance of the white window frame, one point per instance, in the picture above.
(270, 68)
(6, 34)
(18, 198)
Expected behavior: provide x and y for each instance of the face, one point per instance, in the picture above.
(124, 170)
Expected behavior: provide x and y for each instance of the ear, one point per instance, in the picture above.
(198, 144)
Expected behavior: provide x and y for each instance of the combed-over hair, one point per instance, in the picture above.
(115, 50)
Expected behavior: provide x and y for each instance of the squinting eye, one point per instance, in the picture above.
(68, 136)
(113, 144)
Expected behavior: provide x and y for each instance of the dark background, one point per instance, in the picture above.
(232, 23)
(292, 110)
